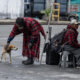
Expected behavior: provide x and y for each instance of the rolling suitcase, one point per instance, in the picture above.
(52, 57)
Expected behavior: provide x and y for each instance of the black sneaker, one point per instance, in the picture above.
(28, 62)
(24, 61)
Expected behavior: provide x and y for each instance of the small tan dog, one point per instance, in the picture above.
(8, 50)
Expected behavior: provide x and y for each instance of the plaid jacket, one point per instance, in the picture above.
(31, 32)
(71, 37)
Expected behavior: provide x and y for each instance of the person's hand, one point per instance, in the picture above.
(6, 46)
(62, 46)
(30, 45)
(56, 44)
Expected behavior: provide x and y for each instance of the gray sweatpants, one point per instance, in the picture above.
(65, 55)
(65, 58)
(68, 50)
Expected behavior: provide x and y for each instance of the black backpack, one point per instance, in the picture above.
(58, 38)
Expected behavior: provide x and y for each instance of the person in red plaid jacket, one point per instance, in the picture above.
(31, 30)
(72, 45)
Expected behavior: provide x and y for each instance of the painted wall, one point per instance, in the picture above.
(11, 8)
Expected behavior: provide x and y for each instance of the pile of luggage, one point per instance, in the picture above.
(53, 48)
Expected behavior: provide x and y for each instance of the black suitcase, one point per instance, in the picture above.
(52, 57)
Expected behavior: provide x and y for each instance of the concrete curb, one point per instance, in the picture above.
(42, 22)
(7, 21)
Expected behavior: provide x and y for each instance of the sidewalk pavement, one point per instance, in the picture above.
(43, 22)
(37, 71)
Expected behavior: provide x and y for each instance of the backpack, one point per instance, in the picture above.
(58, 38)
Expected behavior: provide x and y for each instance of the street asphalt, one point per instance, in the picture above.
(37, 71)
